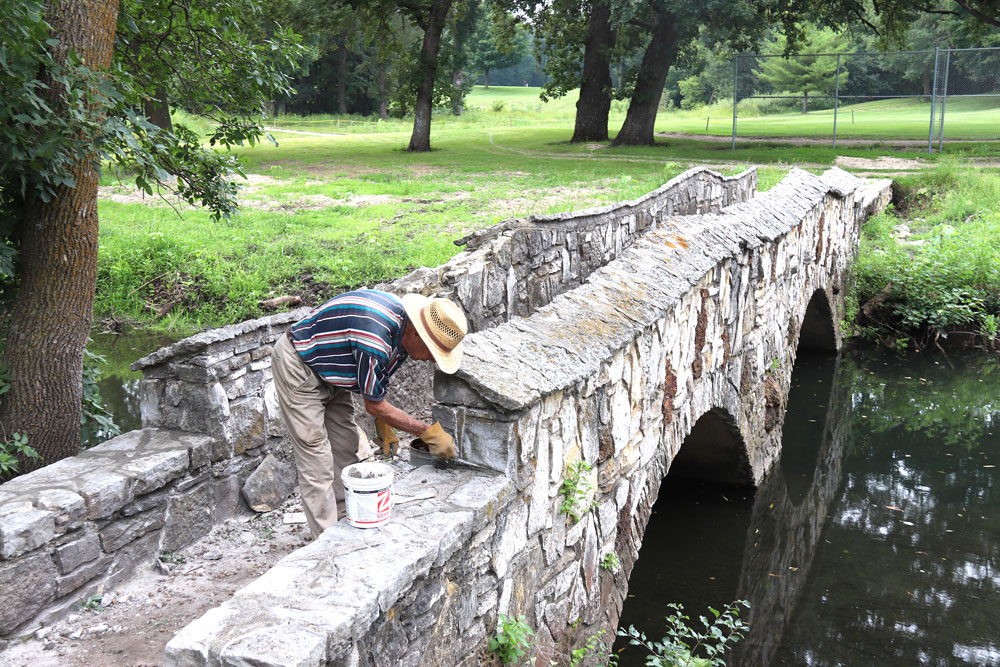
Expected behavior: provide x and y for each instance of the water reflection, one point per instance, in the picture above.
(120, 386)
(875, 540)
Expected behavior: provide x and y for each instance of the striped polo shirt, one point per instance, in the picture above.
(354, 341)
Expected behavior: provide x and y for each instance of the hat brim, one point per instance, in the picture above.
(447, 360)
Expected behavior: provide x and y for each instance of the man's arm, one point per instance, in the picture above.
(395, 417)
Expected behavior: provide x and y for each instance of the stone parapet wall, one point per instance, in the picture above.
(519, 265)
(218, 382)
(85, 523)
(420, 590)
(703, 316)
(516, 266)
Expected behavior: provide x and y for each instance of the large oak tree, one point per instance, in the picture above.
(70, 104)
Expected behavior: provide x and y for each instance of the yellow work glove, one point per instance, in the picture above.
(387, 437)
(439, 443)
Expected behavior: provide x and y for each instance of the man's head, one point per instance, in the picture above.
(435, 331)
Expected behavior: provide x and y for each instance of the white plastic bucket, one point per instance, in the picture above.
(368, 493)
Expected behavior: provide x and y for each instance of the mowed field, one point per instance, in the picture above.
(325, 212)
(512, 106)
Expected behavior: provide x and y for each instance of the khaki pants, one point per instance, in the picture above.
(320, 422)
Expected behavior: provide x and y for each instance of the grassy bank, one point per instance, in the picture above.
(321, 214)
(929, 268)
(324, 213)
(514, 106)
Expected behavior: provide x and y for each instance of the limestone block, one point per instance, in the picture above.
(147, 502)
(554, 540)
(190, 647)
(27, 585)
(247, 428)
(285, 645)
(268, 486)
(119, 533)
(189, 516)
(104, 493)
(272, 412)
(487, 439)
(621, 420)
(456, 391)
(82, 575)
(20, 532)
(527, 433)
(510, 540)
(68, 507)
(226, 499)
(589, 563)
(132, 555)
(82, 547)
(607, 519)
(540, 510)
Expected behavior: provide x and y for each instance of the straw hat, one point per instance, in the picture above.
(441, 325)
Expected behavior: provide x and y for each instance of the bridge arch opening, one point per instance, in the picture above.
(694, 540)
(818, 332)
(714, 451)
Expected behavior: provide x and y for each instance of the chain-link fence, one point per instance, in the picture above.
(915, 96)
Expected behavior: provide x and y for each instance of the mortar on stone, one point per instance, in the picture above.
(420, 455)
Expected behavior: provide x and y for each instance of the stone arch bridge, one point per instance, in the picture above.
(611, 337)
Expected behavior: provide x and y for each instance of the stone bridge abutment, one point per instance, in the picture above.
(632, 340)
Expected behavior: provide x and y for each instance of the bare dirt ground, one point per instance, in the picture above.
(130, 626)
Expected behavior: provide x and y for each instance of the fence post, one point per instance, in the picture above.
(736, 74)
(944, 99)
(836, 102)
(930, 132)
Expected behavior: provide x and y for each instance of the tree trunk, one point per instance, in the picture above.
(383, 102)
(463, 28)
(486, 75)
(594, 104)
(420, 140)
(457, 99)
(158, 110)
(342, 73)
(637, 130)
(805, 101)
(57, 266)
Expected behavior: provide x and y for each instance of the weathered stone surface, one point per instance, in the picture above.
(26, 586)
(268, 486)
(119, 533)
(189, 516)
(81, 548)
(21, 532)
(85, 573)
(69, 507)
(132, 555)
(287, 645)
(247, 430)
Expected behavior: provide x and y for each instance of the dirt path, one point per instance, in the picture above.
(131, 626)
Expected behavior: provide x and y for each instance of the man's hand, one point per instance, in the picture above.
(387, 437)
(439, 443)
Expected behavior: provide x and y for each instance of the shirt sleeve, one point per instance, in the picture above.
(373, 381)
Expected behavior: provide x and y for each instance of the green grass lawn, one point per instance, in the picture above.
(324, 213)
(965, 118)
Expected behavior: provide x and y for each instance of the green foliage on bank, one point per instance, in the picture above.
(928, 271)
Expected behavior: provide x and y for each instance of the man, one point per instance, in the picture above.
(354, 343)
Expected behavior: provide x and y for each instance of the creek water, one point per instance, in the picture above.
(874, 541)
(118, 384)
